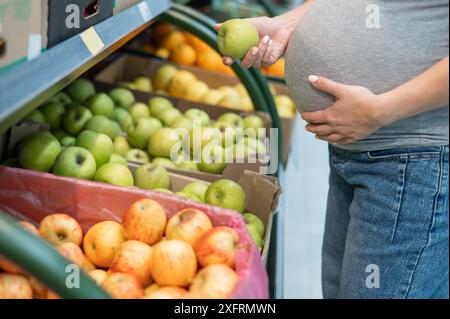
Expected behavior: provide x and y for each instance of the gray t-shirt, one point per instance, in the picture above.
(339, 39)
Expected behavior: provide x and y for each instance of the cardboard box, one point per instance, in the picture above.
(128, 67)
(67, 18)
(22, 33)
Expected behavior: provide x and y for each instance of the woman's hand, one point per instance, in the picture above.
(274, 41)
(356, 114)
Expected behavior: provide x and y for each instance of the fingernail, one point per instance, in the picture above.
(266, 39)
(228, 61)
(313, 78)
(255, 51)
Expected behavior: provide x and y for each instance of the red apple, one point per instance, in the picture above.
(134, 257)
(145, 221)
(167, 292)
(102, 242)
(188, 225)
(99, 276)
(217, 246)
(74, 253)
(173, 263)
(215, 282)
(123, 286)
(15, 287)
(61, 228)
(30, 227)
(39, 290)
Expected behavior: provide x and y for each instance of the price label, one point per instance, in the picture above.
(92, 41)
(145, 11)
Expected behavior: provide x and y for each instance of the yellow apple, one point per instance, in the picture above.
(134, 257)
(173, 263)
(123, 286)
(180, 82)
(15, 287)
(217, 246)
(74, 253)
(39, 290)
(102, 241)
(213, 97)
(215, 281)
(196, 91)
(61, 228)
(152, 288)
(145, 221)
(188, 225)
(99, 276)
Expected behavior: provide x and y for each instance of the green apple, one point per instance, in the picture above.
(140, 133)
(253, 145)
(68, 141)
(101, 104)
(251, 219)
(157, 105)
(122, 97)
(75, 162)
(161, 190)
(236, 37)
(137, 156)
(232, 119)
(254, 233)
(162, 142)
(213, 159)
(254, 122)
(189, 196)
(183, 122)
(201, 137)
(39, 152)
(138, 111)
(149, 176)
(228, 134)
(11, 162)
(169, 116)
(143, 83)
(53, 113)
(121, 116)
(164, 162)
(60, 134)
(227, 194)
(115, 174)
(100, 124)
(198, 115)
(196, 188)
(35, 116)
(116, 158)
(116, 129)
(121, 145)
(80, 90)
(164, 76)
(61, 97)
(188, 165)
(75, 119)
(100, 145)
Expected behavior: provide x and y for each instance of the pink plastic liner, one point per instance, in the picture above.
(30, 196)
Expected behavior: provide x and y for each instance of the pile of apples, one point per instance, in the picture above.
(183, 84)
(147, 256)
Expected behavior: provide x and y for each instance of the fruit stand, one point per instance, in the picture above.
(28, 85)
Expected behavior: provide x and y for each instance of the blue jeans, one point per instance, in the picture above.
(386, 232)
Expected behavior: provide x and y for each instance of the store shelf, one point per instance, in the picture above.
(26, 86)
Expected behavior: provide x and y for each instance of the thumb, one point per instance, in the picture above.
(326, 85)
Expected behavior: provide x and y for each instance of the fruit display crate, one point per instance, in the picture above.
(27, 86)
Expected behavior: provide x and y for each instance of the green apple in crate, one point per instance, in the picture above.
(138, 111)
(116, 158)
(197, 188)
(35, 116)
(149, 176)
(100, 145)
(164, 162)
(168, 117)
(101, 104)
(75, 119)
(227, 194)
(162, 142)
(123, 118)
(236, 37)
(143, 83)
(161, 190)
(164, 76)
(139, 134)
(39, 152)
(137, 156)
(68, 141)
(122, 97)
(116, 130)
(100, 124)
(251, 219)
(198, 115)
(75, 162)
(157, 105)
(183, 122)
(53, 113)
(121, 145)
(61, 97)
(254, 233)
(187, 165)
(115, 174)
(232, 120)
(80, 90)
(213, 159)
(189, 196)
